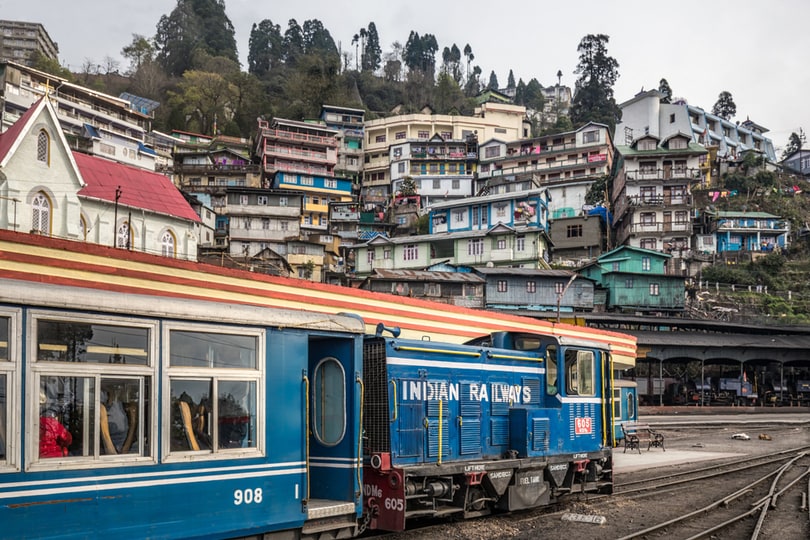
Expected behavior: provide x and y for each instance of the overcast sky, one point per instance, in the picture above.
(754, 49)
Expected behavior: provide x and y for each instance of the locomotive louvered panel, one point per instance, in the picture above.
(469, 406)
(499, 431)
(433, 409)
(470, 436)
(580, 409)
(499, 408)
(410, 432)
(433, 439)
(540, 434)
(376, 413)
(534, 388)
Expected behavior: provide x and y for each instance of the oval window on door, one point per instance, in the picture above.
(329, 402)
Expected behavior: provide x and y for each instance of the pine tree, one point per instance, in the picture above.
(664, 88)
(593, 100)
(725, 107)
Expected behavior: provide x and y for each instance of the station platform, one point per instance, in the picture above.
(656, 457)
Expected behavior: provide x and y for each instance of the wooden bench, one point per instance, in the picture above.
(636, 433)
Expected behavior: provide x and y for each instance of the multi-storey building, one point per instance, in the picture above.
(566, 165)
(257, 223)
(725, 140)
(501, 245)
(748, 232)
(491, 119)
(302, 156)
(205, 166)
(93, 123)
(652, 195)
(19, 40)
(440, 169)
(349, 124)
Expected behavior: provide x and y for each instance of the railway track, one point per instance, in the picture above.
(751, 489)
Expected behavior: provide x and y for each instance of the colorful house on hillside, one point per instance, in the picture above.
(637, 280)
(48, 189)
(749, 231)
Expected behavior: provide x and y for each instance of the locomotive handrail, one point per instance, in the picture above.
(394, 384)
(443, 351)
(306, 431)
(441, 402)
(515, 357)
(359, 380)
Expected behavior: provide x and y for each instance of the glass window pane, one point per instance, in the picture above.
(586, 373)
(208, 349)
(329, 396)
(236, 414)
(5, 324)
(66, 422)
(191, 415)
(124, 403)
(61, 341)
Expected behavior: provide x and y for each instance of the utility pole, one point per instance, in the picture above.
(115, 219)
(562, 292)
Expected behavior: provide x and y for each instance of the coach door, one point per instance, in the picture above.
(333, 410)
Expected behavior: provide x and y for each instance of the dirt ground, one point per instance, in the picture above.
(622, 515)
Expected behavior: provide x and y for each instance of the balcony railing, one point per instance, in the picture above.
(536, 167)
(299, 137)
(660, 227)
(659, 200)
(666, 173)
(295, 153)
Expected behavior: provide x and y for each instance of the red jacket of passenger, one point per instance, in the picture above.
(54, 439)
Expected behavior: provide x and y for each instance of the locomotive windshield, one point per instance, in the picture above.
(579, 373)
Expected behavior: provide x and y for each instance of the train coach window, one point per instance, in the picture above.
(92, 379)
(5, 324)
(72, 341)
(579, 373)
(329, 402)
(214, 383)
(213, 350)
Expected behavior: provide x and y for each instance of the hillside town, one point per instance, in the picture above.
(470, 210)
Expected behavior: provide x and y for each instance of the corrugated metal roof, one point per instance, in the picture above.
(426, 275)
(525, 272)
(140, 188)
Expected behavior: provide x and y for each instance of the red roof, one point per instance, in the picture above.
(140, 188)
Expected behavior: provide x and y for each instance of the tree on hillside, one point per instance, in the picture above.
(725, 107)
(317, 39)
(663, 87)
(451, 62)
(520, 92)
(372, 52)
(593, 98)
(292, 44)
(533, 97)
(493, 81)
(392, 69)
(468, 54)
(510, 81)
(206, 99)
(264, 48)
(795, 143)
(138, 52)
(192, 25)
(473, 85)
(48, 65)
(420, 53)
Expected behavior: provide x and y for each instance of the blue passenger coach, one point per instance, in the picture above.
(506, 422)
(137, 416)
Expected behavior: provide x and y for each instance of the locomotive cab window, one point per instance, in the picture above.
(579, 373)
(91, 397)
(329, 402)
(551, 371)
(213, 385)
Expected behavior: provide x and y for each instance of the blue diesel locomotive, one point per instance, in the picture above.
(505, 422)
